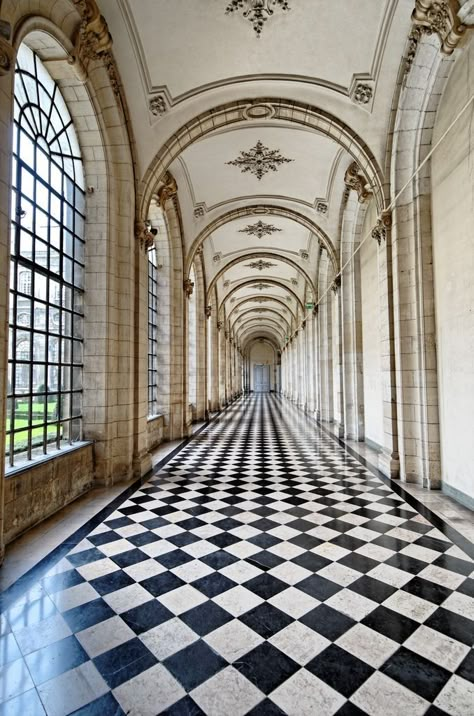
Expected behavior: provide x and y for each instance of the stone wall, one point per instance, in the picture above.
(35, 493)
(453, 258)
(155, 431)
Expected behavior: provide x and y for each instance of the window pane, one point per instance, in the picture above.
(44, 231)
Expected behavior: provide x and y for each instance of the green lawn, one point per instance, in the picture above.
(21, 437)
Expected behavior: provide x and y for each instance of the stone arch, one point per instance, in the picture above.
(238, 111)
(262, 210)
(253, 312)
(251, 298)
(267, 322)
(101, 125)
(271, 281)
(265, 255)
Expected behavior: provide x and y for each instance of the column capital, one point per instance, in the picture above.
(144, 235)
(355, 180)
(384, 223)
(443, 18)
(7, 53)
(168, 190)
(336, 284)
(188, 287)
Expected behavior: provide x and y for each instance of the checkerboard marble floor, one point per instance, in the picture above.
(263, 570)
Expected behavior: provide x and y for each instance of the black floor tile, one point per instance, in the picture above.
(195, 664)
(124, 662)
(453, 625)
(87, 615)
(146, 616)
(327, 621)
(162, 583)
(342, 671)
(389, 623)
(111, 582)
(318, 587)
(206, 617)
(416, 673)
(266, 620)
(266, 667)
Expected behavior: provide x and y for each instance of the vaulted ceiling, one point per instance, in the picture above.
(258, 188)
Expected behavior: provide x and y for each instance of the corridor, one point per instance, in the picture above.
(262, 570)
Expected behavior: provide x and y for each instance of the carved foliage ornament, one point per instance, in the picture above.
(259, 160)
(435, 16)
(188, 286)
(94, 41)
(379, 232)
(257, 11)
(144, 235)
(259, 230)
(6, 50)
(260, 265)
(354, 179)
(208, 311)
(168, 190)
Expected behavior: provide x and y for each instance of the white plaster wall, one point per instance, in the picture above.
(262, 353)
(372, 367)
(453, 259)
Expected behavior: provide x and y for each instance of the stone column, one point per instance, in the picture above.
(222, 365)
(389, 462)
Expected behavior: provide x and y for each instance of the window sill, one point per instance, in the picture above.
(152, 418)
(14, 471)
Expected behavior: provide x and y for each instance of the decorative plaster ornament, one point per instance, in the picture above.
(199, 212)
(322, 207)
(259, 160)
(363, 94)
(260, 265)
(257, 11)
(294, 281)
(157, 105)
(259, 230)
(261, 286)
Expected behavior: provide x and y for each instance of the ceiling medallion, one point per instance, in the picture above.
(256, 11)
(259, 160)
(259, 230)
(260, 265)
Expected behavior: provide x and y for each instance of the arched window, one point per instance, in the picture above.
(152, 333)
(47, 267)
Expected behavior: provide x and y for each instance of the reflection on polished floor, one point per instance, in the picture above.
(262, 570)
